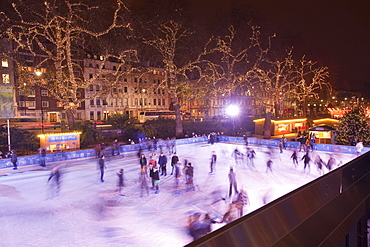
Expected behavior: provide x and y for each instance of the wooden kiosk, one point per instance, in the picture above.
(54, 142)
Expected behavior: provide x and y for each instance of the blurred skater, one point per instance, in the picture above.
(269, 166)
(237, 156)
(213, 162)
(294, 157)
(331, 163)
(319, 164)
(232, 181)
(359, 147)
(177, 177)
(120, 182)
(55, 175)
(143, 179)
(251, 154)
(189, 172)
(306, 160)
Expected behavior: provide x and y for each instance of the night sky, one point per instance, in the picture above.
(334, 32)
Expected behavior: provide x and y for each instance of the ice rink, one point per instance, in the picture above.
(88, 212)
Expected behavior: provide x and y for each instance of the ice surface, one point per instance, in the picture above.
(87, 212)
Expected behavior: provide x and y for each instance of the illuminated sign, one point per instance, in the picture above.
(58, 138)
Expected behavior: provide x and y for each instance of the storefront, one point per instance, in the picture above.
(54, 142)
(281, 127)
(323, 133)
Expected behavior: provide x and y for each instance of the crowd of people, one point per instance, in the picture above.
(154, 157)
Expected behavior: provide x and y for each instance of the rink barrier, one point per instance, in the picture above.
(294, 145)
(89, 153)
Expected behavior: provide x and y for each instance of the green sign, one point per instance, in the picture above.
(6, 101)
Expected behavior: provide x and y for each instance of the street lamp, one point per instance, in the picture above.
(232, 110)
(39, 73)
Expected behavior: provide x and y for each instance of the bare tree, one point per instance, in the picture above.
(55, 33)
(312, 80)
(186, 78)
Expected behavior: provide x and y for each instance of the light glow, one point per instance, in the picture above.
(232, 110)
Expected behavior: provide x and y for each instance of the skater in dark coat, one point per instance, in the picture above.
(331, 163)
(294, 157)
(232, 180)
(143, 161)
(102, 167)
(43, 157)
(14, 159)
(213, 161)
(174, 161)
(306, 160)
(162, 161)
(154, 174)
(269, 165)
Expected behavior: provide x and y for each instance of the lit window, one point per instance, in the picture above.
(60, 104)
(31, 104)
(6, 78)
(4, 63)
(44, 92)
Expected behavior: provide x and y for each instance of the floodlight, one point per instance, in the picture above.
(232, 110)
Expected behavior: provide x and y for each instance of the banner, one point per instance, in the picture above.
(6, 101)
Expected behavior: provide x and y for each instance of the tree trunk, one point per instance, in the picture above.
(70, 112)
(304, 107)
(267, 126)
(179, 128)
